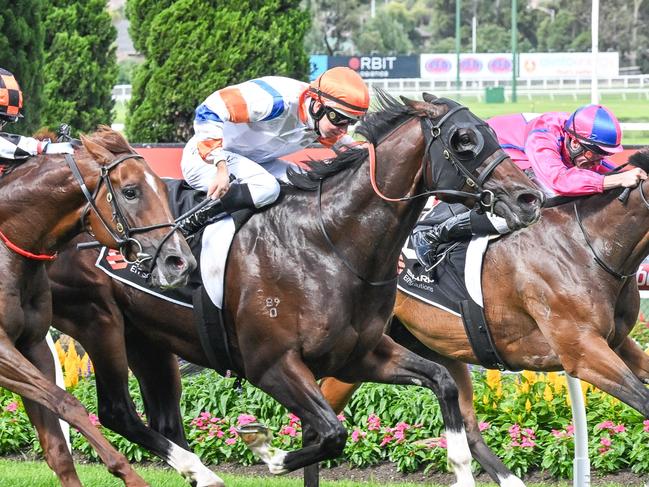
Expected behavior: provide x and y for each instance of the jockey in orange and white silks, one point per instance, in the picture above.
(243, 130)
(16, 147)
(566, 152)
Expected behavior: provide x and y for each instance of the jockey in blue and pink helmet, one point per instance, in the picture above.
(564, 153)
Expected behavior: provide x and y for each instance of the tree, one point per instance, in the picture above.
(21, 52)
(335, 26)
(383, 34)
(195, 47)
(80, 64)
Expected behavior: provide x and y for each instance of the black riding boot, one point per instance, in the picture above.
(426, 242)
(237, 202)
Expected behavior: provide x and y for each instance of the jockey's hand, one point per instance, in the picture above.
(625, 179)
(220, 183)
(401, 265)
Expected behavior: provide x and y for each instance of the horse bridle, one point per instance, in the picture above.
(485, 198)
(122, 232)
(601, 262)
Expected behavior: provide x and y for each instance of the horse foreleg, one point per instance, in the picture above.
(589, 358)
(158, 375)
(337, 394)
(22, 377)
(117, 410)
(394, 364)
(635, 358)
(293, 385)
(48, 427)
(494, 467)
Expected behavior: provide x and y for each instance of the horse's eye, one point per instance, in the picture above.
(129, 193)
(465, 139)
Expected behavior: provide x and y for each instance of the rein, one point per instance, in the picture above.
(485, 197)
(339, 254)
(618, 275)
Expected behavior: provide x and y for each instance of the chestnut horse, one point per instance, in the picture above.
(42, 206)
(560, 295)
(326, 260)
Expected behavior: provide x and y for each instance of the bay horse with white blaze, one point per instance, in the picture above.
(42, 206)
(560, 295)
(326, 257)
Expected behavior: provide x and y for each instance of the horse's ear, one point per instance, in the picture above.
(429, 97)
(98, 153)
(420, 106)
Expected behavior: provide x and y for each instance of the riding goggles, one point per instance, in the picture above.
(592, 153)
(337, 118)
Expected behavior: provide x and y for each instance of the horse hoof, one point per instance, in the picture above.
(254, 434)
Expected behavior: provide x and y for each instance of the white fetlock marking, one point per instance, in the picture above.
(273, 457)
(459, 458)
(510, 481)
(189, 466)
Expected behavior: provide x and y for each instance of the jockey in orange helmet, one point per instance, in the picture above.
(17, 147)
(242, 131)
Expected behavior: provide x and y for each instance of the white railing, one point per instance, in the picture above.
(624, 85)
(551, 87)
(122, 92)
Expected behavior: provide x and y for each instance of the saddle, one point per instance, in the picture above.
(455, 286)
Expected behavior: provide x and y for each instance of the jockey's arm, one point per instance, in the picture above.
(19, 148)
(242, 103)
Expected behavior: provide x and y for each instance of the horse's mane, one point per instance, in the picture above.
(388, 114)
(640, 159)
(110, 140)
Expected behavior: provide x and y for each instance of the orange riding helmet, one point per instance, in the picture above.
(343, 90)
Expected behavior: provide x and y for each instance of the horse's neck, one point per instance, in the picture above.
(41, 204)
(620, 234)
(366, 226)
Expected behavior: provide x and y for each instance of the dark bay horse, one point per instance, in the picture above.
(42, 206)
(326, 260)
(550, 306)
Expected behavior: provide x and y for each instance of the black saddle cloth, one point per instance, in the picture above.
(444, 286)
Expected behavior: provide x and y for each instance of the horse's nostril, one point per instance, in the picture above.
(175, 262)
(529, 199)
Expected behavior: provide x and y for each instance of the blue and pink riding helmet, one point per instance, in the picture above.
(595, 125)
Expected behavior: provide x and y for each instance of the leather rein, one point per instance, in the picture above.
(485, 197)
(600, 261)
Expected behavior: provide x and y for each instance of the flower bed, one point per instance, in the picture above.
(525, 418)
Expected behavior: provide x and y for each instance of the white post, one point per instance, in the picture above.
(372, 8)
(581, 463)
(474, 32)
(594, 29)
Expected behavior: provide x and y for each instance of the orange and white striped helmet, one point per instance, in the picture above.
(343, 90)
(11, 97)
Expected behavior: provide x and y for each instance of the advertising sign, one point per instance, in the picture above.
(376, 67)
(472, 66)
(568, 64)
